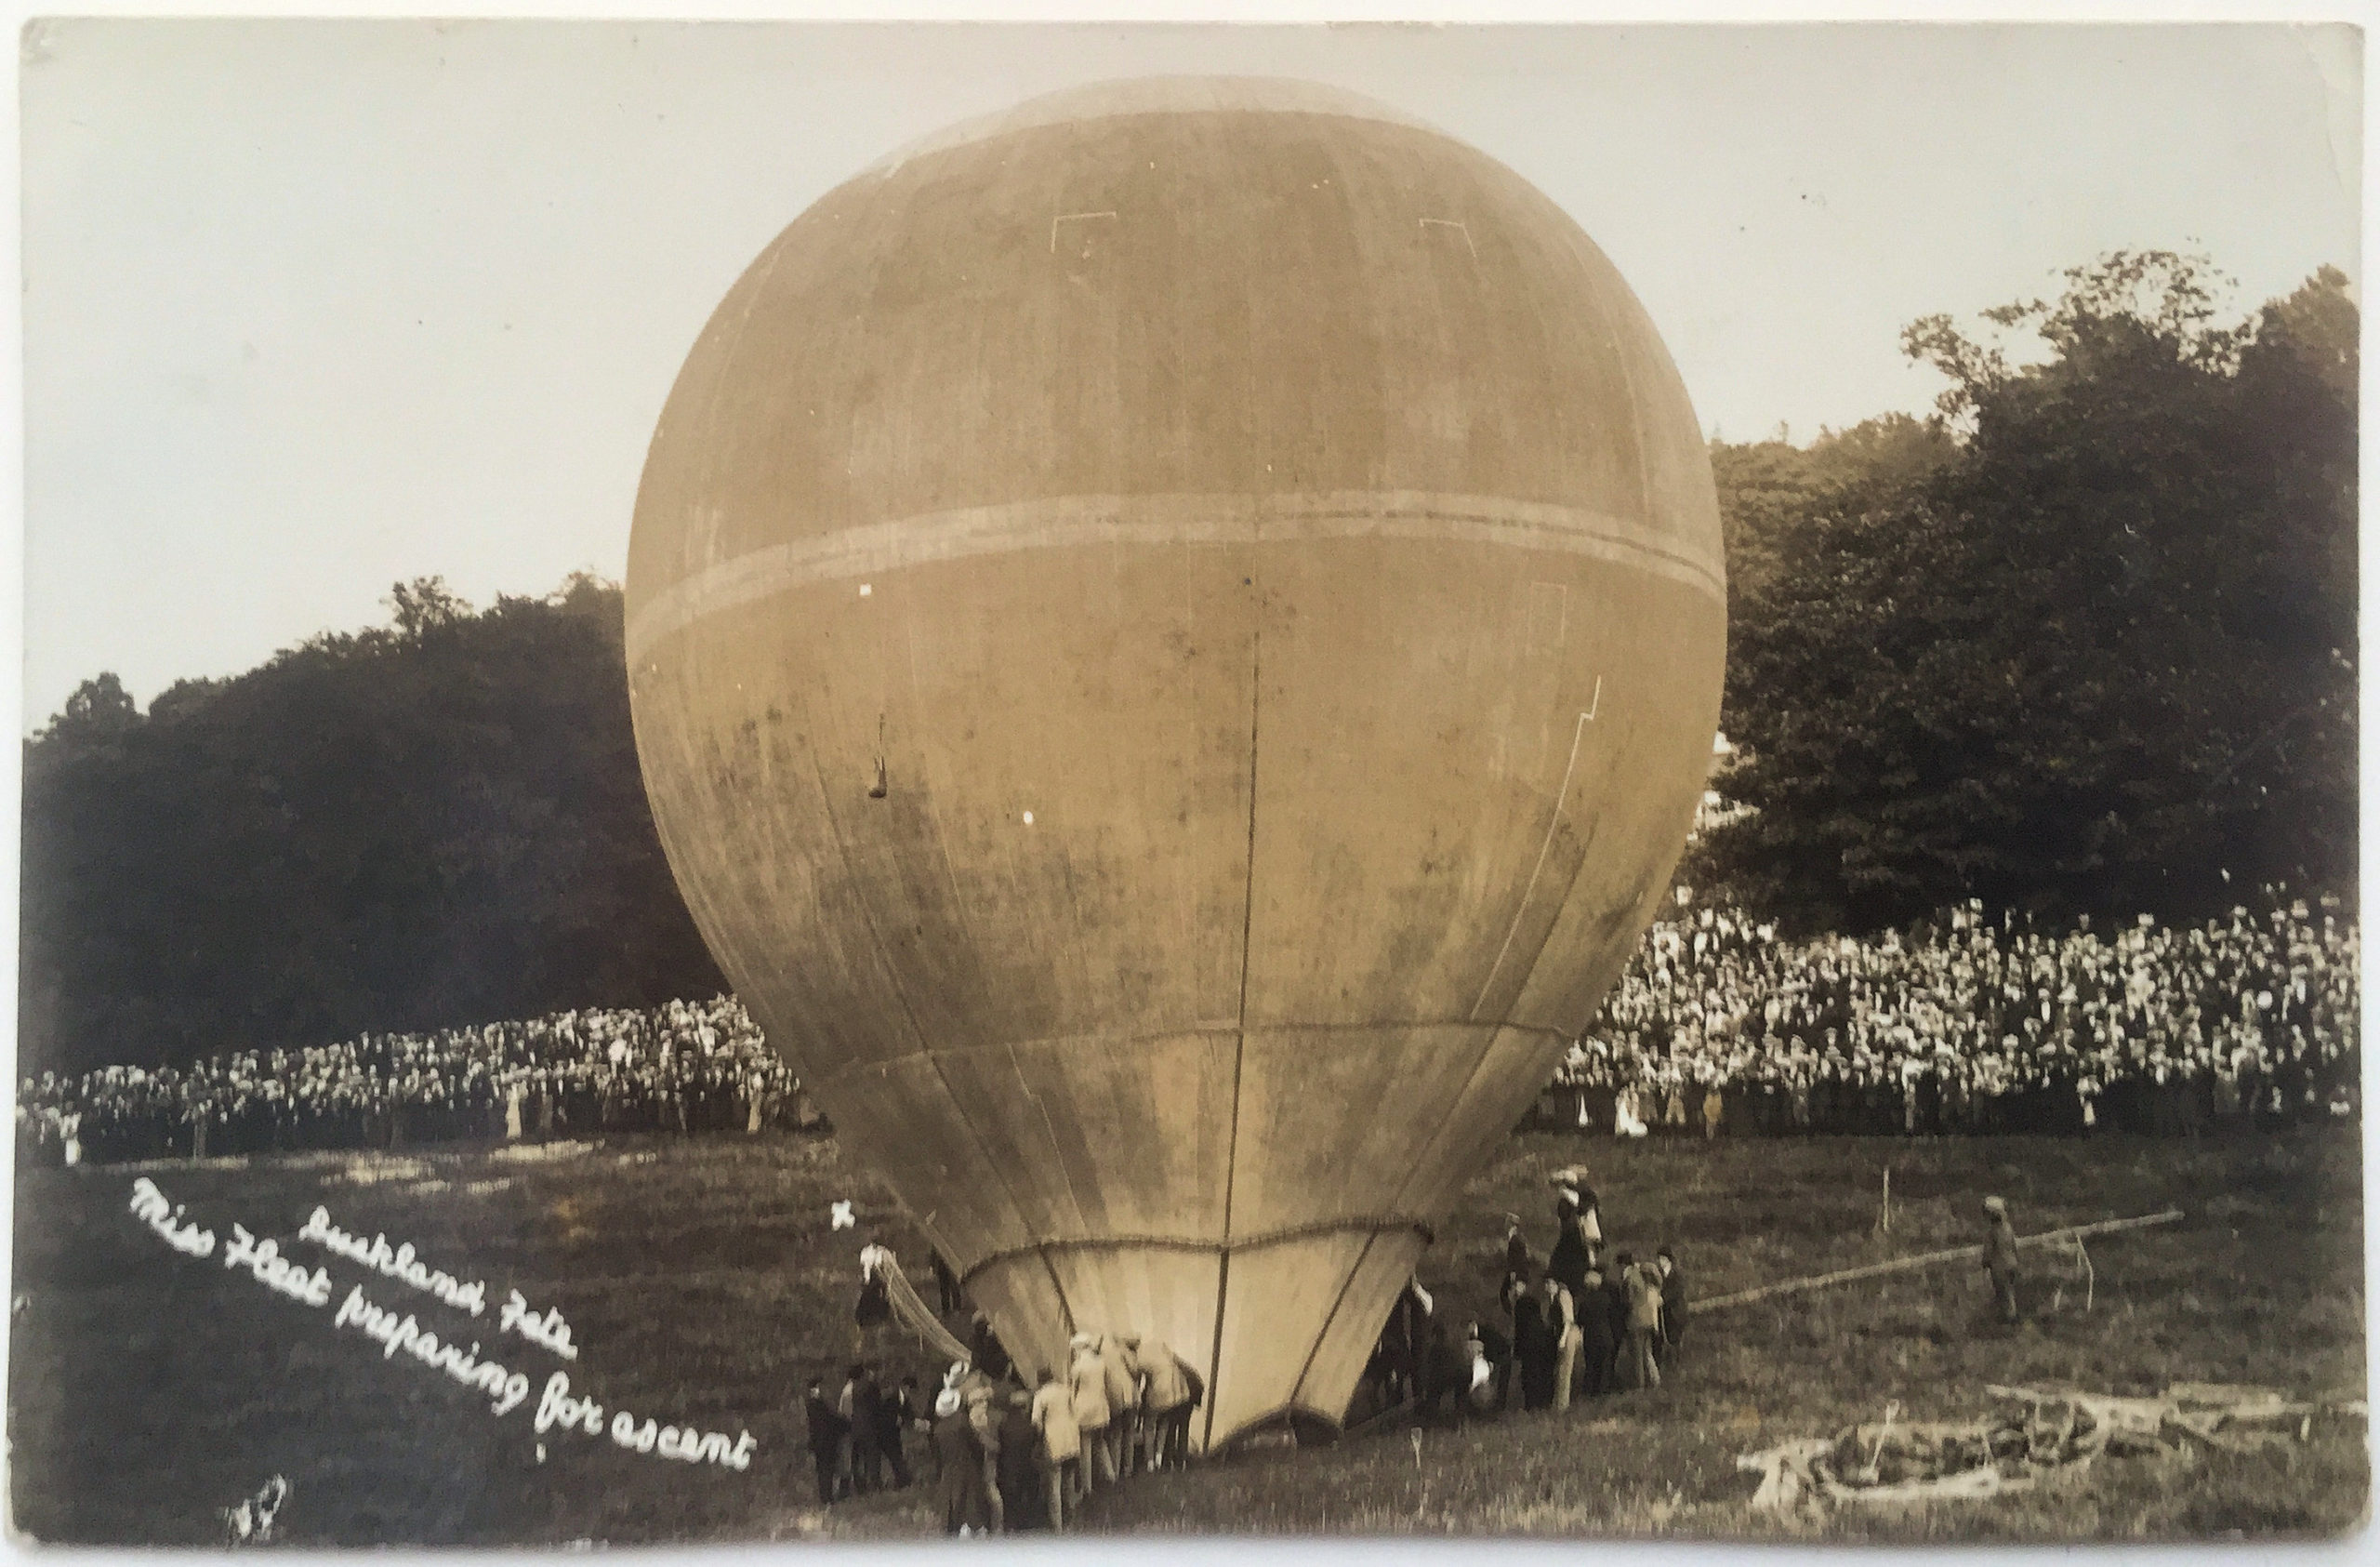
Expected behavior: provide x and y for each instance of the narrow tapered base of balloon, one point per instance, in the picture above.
(1279, 1327)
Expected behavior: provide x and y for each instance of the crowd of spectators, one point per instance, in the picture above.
(1719, 1028)
(687, 1067)
(1983, 1025)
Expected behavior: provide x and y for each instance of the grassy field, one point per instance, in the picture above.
(703, 1286)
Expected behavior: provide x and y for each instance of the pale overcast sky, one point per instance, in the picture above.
(313, 307)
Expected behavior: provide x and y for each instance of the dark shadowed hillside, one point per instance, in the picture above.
(432, 823)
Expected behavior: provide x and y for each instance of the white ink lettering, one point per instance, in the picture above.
(549, 1330)
(151, 1208)
(402, 1264)
(269, 1268)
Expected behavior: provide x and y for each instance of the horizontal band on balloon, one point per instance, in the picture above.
(1387, 1224)
(1108, 1043)
(1078, 522)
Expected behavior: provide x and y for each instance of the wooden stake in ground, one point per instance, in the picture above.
(1926, 1260)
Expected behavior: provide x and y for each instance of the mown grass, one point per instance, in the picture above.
(2261, 1283)
(704, 1285)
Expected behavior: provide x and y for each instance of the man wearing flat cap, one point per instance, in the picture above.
(2000, 1258)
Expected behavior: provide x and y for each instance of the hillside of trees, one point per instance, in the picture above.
(2081, 641)
(433, 823)
(2084, 642)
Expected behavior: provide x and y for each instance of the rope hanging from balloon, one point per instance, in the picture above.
(911, 1308)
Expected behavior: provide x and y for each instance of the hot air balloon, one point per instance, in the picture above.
(1175, 635)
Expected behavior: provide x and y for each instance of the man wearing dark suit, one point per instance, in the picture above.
(827, 1431)
(1597, 1347)
(1674, 1305)
(1536, 1349)
(863, 1411)
(896, 1412)
(945, 1284)
(1615, 1300)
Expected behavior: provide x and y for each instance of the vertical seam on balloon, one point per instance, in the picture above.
(1066, 1305)
(1585, 850)
(1331, 1316)
(1486, 1048)
(1551, 827)
(833, 830)
(1057, 1149)
(1496, 1031)
(766, 267)
(1627, 380)
(1239, 1050)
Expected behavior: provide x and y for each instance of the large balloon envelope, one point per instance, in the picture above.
(1175, 635)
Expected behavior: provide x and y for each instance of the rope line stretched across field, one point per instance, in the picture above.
(911, 1308)
(1956, 1253)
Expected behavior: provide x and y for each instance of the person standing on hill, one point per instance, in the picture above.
(1478, 1394)
(1497, 1351)
(961, 1464)
(2000, 1258)
(1643, 1286)
(1615, 1304)
(1516, 1257)
(1061, 1451)
(1574, 1243)
(1088, 1380)
(1403, 1339)
(901, 1413)
(826, 1430)
(1123, 1375)
(1535, 1347)
(945, 1285)
(981, 1398)
(1675, 1305)
(985, 1350)
(874, 1308)
(1025, 1497)
(1562, 1315)
(1438, 1380)
(1597, 1348)
(1509, 1296)
(1165, 1401)
(862, 1412)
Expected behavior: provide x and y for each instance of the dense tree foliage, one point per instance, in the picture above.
(434, 823)
(2086, 641)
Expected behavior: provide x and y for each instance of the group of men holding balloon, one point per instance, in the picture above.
(1016, 1449)
(1009, 1449)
